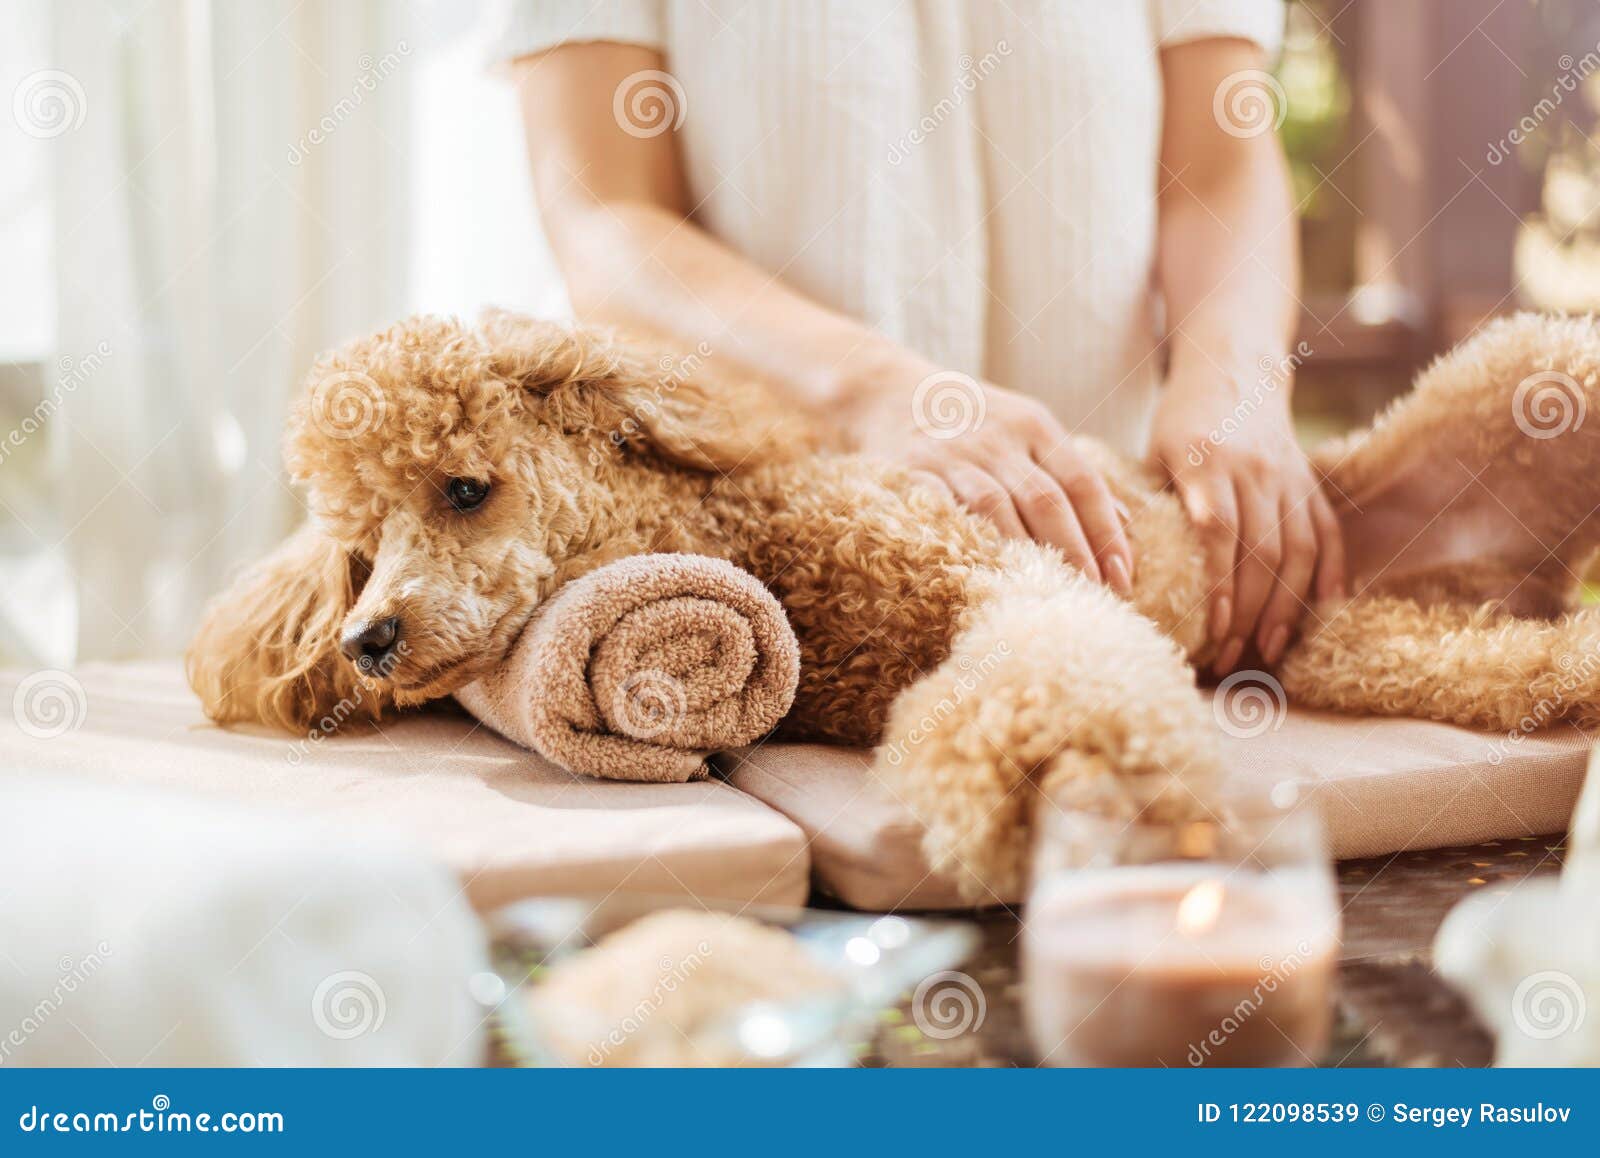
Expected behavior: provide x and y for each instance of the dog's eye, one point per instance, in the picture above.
(466, 493)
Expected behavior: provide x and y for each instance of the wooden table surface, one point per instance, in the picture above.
(1391, 1009)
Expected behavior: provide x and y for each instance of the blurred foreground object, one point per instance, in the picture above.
(630, 979)
(1529, 960)
(148, 928)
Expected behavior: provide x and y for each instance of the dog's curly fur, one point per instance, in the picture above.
(988, 671)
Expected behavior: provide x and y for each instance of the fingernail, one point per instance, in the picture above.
(1124, 513)
(1221, 616)
(1121, 582)
(1229, 657)
(1276, 642)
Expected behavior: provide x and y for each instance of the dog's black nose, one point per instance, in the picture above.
(371, 643)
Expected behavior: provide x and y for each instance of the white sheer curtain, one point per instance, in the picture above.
(201, 195)
(233, 200)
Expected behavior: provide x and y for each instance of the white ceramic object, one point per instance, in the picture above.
(1529, 959)
(146, 927)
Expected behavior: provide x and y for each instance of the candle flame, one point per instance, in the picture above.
(1200, 908)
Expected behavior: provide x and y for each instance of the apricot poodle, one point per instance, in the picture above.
(457, 475)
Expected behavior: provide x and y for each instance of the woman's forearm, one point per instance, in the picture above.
(1228, 256)
(618, 214)
(1228, 268)
(643, 266)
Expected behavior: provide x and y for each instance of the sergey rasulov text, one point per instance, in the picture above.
(1484, 1113)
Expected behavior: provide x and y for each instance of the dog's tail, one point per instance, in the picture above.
(1055, 694)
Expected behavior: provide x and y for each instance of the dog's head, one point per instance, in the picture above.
(449, 470)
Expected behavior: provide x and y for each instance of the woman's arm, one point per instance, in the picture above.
(1228, 268)
(618, 217)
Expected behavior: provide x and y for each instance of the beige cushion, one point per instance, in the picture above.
(508, 822)
(1387, 785)
(1382, 785)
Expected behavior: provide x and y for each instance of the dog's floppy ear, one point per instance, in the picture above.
(268, 647)
(673, 405)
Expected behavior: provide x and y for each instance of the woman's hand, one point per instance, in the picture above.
(1005, 457)
(1271, 538)
(1227, 266)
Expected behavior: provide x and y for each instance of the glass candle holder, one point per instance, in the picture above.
(1207, 943)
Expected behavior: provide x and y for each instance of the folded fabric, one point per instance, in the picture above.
(1381, 786)
(506, 821)
(640, 669)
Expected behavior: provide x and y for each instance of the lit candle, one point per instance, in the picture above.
(1179, 964)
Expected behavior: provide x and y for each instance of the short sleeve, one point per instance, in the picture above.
(535, 25)
(1178, 21)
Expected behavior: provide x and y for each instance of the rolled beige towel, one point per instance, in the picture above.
(641, 669)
